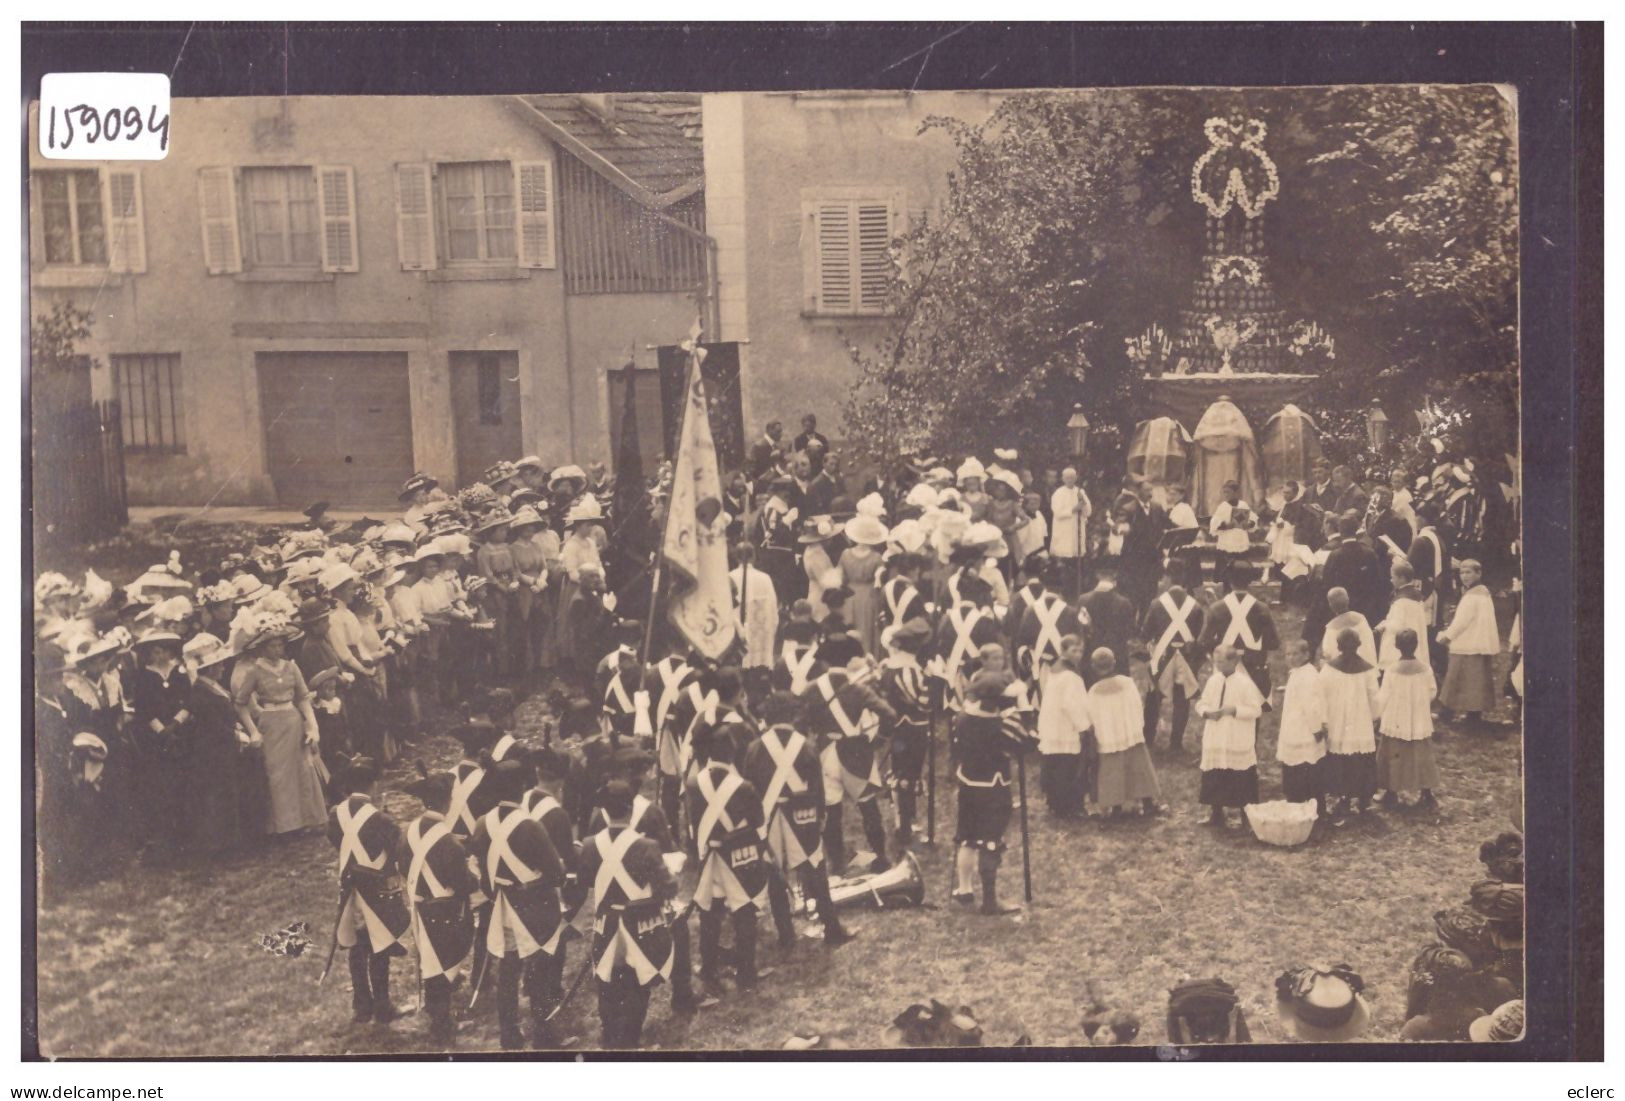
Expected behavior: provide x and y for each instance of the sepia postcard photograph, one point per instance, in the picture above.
(990, 565)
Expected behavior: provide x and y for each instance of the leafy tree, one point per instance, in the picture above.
(1068, 228)
(53, 339)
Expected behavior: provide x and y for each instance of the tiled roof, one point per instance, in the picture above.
(648, 144)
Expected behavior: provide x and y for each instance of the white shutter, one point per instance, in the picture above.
(335, 198)
(832, 228)
(414, 216)
(217, 202)
(126, 229)
(533, 184)
(874, 234)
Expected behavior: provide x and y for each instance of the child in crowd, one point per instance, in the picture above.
(1405, 754)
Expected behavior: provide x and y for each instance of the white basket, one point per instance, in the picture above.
(1279, 822)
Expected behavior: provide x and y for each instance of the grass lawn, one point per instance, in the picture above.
(166, 962)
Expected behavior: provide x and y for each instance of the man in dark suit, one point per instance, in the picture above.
(1112, 617)
(1346, 494)
(810, 436)
(1389, 532)
(764, 453)
(1353, 566)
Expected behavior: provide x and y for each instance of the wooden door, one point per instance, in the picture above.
(338, 425)
(485, 410)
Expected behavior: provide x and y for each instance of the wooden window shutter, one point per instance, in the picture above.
(217, 202)
(414, 216)
(335, 197)
(874, 235)
(835, 257)
(533, 183)
(126, 229)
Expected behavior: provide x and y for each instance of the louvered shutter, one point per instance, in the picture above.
(874, 234)
(126, 230)
(835, 259)
(217, 203)
(414, 216)
(533, 183)
(335, 197)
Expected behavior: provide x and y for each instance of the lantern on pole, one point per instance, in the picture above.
(1077, 433)
(1376, 427)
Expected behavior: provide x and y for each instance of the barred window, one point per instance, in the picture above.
(151, 414)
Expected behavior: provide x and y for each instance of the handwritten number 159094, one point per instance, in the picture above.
(95, 125)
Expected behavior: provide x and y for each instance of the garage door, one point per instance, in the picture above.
(338, 425)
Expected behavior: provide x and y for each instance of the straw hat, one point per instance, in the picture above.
(157, 634)
(335, 577)
(585, 511)
(529, 462)
(431, 549)
(908, 536)
(568, 470)
(970, 468)
(203, 650)
(249, 589)
(922, 496)
(871, 505)
(816, 529)
(866, 530)
(302, 571)
(1322, 1005)
(398, 533)
(416, 482)
(499, 472)
(498, 517)
(525, 516)
(1502, 1025)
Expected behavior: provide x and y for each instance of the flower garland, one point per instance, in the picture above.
(1244, 268)
(1309, 339)
(1235, 152)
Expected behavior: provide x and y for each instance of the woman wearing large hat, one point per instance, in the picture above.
(216, 780)
(817, 537)
(273, 704)
(859, 566)
(501, 595)
(1322, 1004)
(530, 572)
(159, 693)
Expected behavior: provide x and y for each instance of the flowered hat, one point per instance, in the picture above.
(1503, 1025)
(1322, 1004)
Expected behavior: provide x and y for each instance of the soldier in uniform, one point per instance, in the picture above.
(844, 710)
(672, 676)
(649, 819)
(968, 626)
(627, 715)
(901, 599)
(907, 686)
(797, 663)
(632, 941)
(783, 765)
(440, 885)
(1241, 620)
(1173, 623)
(545, 804)
(725, 812)
(373, 919)
(521, 873)
(1039, 617)
(985, 744)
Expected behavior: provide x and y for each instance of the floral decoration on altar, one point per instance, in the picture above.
(1234, 169)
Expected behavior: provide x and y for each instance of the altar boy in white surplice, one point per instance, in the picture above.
(1231, 704)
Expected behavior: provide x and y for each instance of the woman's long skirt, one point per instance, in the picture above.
(290, 772)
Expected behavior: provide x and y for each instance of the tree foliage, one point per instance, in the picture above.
(54, 338)
(1068, 227)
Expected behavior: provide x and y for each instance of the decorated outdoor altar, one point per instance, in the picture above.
(1221, 390)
